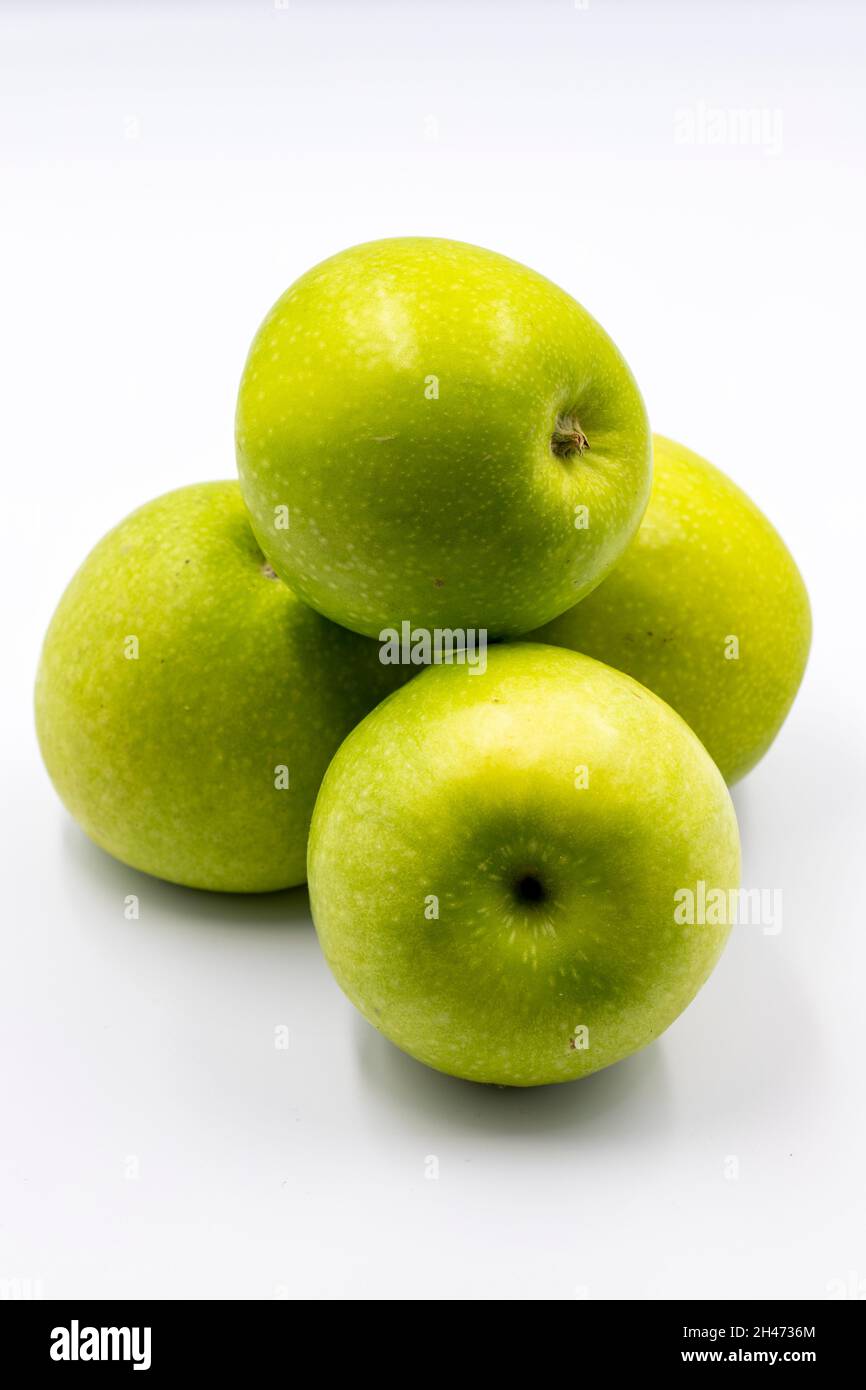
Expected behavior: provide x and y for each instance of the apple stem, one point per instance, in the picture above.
(567, 438)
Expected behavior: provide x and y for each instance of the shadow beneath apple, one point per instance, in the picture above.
(756, 1040)
(630, 1100)
(741, 795)
(275, 911)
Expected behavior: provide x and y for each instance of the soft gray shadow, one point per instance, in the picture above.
(758, 1035)
(743, 799)
(263, 911)
(632, 1097)
(809, 777)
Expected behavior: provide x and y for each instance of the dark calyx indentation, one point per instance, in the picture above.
(529, 889)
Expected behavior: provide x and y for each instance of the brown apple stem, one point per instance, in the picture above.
(567, 438)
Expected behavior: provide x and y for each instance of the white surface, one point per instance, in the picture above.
(167, 171)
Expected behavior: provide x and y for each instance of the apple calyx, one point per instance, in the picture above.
(567, 438)
(529, 889)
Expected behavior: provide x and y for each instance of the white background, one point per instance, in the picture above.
(166, 172)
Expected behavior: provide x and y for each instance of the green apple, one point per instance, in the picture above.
(707, 608)
(430, 432)
(187, 703)
(498, 864)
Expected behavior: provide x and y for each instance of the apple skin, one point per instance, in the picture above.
(705, 565)
(462, 788)
(449, 510)
(169, 761)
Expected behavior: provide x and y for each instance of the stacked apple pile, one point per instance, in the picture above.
(439, 448)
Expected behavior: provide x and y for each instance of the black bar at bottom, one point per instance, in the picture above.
(155, 1338)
